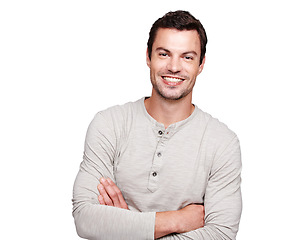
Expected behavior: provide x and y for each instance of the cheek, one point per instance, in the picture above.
(193, 71)
(158, 66)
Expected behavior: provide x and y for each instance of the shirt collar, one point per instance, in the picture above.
(173, 126)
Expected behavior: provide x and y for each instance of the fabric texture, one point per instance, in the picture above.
(196, 161)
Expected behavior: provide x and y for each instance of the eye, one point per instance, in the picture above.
(163, 54)
(188, 57)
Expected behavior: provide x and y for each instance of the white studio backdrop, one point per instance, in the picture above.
(62, 61)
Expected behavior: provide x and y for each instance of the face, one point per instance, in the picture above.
(175, 63)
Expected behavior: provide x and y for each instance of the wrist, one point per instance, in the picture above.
(165, 223)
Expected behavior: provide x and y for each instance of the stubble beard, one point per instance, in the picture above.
(175, 97)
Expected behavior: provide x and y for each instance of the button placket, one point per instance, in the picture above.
(162, 138)
(157, 164)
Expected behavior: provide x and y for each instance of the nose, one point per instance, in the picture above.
(174, 65)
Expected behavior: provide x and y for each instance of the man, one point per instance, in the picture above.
(160, 167)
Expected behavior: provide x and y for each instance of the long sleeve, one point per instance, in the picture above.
(92, 220)
(125, 144)
(223, 202)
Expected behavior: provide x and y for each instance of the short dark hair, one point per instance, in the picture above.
(180, 20)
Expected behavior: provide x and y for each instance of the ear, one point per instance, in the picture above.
(147, 58)
(202, 65)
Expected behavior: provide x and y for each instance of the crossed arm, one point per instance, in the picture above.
(104, 213)
(184, 220)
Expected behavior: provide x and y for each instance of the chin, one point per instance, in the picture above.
(171, 96)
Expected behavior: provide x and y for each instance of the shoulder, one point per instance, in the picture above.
(220, 141)
(217, 135)
(118, 115)
(120, 111)
(215, 128)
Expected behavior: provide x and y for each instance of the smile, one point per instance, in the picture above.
(173, 81)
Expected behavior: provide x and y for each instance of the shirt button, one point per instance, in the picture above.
(159, 154)
(154, 174)
(160, 132)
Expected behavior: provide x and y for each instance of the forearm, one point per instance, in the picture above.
(186, 219)
(95, 221)
(164, 224)
(104, 222)
(213, 232)
(204, 233)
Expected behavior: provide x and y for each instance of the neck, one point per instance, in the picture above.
(167, 111)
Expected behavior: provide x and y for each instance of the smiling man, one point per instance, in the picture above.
(175, 63)
(160, 167)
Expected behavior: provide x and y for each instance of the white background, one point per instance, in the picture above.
(62, 61)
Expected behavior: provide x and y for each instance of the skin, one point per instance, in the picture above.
(175, 55)
(110, 194)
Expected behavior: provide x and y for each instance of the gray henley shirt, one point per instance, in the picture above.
(196, 160)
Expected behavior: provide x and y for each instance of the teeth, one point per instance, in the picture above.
(171, 79)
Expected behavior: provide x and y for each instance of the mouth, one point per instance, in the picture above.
(173, 81)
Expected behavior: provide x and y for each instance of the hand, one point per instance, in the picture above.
(110, 194)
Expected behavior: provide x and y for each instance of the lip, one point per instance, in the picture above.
(172, 83)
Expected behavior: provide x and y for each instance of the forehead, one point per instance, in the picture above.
(176, 40)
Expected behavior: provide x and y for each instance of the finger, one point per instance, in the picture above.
(122, 201)
(105, 195)
(101, 200)
(110, 190)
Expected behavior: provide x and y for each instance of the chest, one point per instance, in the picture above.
(157, 166)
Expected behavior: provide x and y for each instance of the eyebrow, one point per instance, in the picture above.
(162, 49)
(190, 52)
(166, 50)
